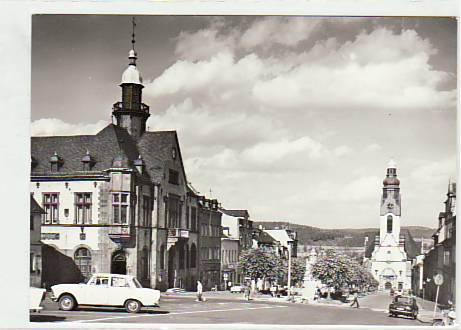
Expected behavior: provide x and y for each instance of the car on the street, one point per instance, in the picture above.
(176, 291)
(404, 305)
(36, 297)
(238, 288)
(111, 290)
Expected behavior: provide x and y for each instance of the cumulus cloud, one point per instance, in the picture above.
(281, 116)
(242, 98)
(54, 126)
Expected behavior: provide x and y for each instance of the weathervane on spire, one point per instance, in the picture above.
(133, 41)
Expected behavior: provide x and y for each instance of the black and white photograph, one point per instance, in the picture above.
(243, 170)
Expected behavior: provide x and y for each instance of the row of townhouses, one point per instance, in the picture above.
(119, 202)
(440, 258)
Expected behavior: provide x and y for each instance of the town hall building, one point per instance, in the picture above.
(391, 251)
(116, 201)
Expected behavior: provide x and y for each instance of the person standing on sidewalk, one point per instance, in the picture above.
(355, 301)
(246, 292)
(199, 291)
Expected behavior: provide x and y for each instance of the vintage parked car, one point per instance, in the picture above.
(237, 288)
(404, 305)
(36, 297)
(106, 290)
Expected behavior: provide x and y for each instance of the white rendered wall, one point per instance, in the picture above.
(69, 237)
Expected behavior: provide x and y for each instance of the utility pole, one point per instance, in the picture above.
(289, 270)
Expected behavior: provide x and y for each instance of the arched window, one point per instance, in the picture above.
(162, 257)
(187, 257)
(145, 263)
(82, 258)
(389, 223)
(193, 256)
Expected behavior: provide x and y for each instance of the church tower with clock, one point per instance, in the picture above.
(389, 263)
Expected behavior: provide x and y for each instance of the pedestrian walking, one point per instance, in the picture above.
(246, 292)
(355, 301)
(199, 291)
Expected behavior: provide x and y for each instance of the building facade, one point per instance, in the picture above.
(237, 225)
(36, 212)
(441, 259)
(209, 219)
(229, 261)
(116, 201)
(390, 265)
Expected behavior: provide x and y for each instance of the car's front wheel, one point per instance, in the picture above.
(132, 306)
(67, 302)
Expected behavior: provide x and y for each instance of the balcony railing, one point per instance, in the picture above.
(118, 106)
(178, 233)
(119, 233)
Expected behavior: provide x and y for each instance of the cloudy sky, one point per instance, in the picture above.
(292, 118)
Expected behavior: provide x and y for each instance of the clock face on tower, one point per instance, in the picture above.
(390, 206)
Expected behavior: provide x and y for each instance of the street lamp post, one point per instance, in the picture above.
(289, 270)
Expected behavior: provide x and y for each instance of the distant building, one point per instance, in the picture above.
(391, 252)
(236, 225)
(209, 218)
(239, 224)
(262, 240)
(286, 239)
(35, 244)
(441, 259)
(229, 260)
(357, 252)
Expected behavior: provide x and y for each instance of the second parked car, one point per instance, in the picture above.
(404, 305)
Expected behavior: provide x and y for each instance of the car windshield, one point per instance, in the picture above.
(404, 300)
(136, 283)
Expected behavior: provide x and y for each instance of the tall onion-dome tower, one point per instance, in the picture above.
(390, 205)
(389, 264)
(131, 113)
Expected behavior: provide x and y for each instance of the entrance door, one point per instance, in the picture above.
(171, 268)
(388, 285)
(118, 265)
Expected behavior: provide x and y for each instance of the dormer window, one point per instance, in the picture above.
(139, 164)
(87, 161)
(55, 162)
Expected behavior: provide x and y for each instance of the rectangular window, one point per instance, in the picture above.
(193, 212)
(173, 177)
(31, 222)
(51, 207)
(446, 257)
(146, 210)
(82, 208)
(389, 224)
(174, 210)
(120, 207)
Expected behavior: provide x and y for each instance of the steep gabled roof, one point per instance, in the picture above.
(411, 247)
(265, 238)
(103, 147)
(156, 148)
(237, 213)
(34, 207)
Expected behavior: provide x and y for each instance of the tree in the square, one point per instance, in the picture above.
(333, 269)
(256, 263)
(298, 269)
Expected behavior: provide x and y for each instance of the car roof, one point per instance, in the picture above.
(118, 275)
